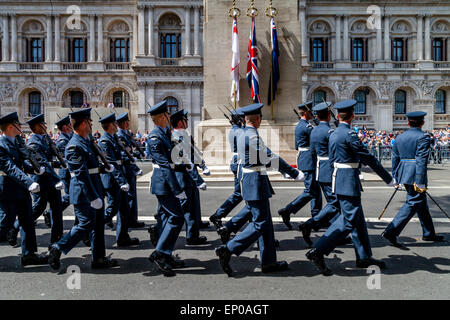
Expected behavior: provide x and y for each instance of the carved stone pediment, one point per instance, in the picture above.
(33, 26)
(319, 27)
(440, 27)
(119, 27)
(400, 27)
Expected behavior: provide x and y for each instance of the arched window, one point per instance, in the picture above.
(76, 43)
(33, 35)
(361, 98)
(120, 99)
(119, 42)
(169, 36)
(400, 102)
(76, 99)
(440, 101)
(172, 104)
(34, 101)
(319, 33)
(319, 96)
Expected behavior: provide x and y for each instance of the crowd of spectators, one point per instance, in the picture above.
(374, 139)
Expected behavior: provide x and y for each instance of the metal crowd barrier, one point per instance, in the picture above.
(438, 155)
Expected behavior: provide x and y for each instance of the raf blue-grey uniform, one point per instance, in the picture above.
(64, 173)
(256, 191)
(15, 199)
(131, 170)
(346, 152)
(320, 137)
(85, 187)
(164, 185)
(117, 199)
(235, 198)
(410, 155)
(306, 162)
(187, 183)
(47, 181)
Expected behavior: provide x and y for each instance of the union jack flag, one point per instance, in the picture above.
(252, 64)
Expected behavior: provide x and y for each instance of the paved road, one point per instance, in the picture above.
(423, 272)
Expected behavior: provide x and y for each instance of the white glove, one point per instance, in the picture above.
(34, 188)
(181, 196)
(139, 173)
(300, 177)
(202, 186)
(286, 176)
(110, 169)
(41, 171)
(59, 185)
(393, 183)
(361, 177)
(125, 187)
(97, 204)
(206, 171)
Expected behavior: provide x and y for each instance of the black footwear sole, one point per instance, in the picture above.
(159, 264)
(225, 266)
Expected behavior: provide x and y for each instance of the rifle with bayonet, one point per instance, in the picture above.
(335, 120)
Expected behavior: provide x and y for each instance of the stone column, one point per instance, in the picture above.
(150, 100)
(142, 110)
(420, 37)
(150, 31)
(338, 38)
(13, 38)
(187, 30)
(100, 39)
(5, 40)
(387, 38)
(49, 44)
(379, 48)
(57, 38)
(196, 30)
(302, 18)
(135, 36)
(141, 31)
(92, 38)
(346, 39)
(427, 38)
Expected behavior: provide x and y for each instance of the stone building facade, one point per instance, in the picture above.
(57, 55)
(397, 63)
(132, 53)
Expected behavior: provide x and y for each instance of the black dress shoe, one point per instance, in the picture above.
(224, 234)
(175, 263)
(224, 258)
(365, 263)
(319, 261)
(196, 241)
(286, 216)
(162, 263)
(393, 241)
(34, 259)
(128, 242)
(47, 219)
(434, 238)
(137, 224)
(305, 229)
(104, 263)
(216, 221)
(54, 257)
(203, 225)
(12, 236)
(154, 236)
(274, 267)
